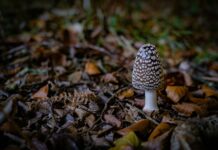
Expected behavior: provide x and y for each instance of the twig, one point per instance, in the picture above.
(144, 114)
(212, 79)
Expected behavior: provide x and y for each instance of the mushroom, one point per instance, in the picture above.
(148, 75)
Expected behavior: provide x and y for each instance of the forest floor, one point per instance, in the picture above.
(66, 80)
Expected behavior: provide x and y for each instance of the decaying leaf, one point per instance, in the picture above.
(42, 93)
(175, 93)
(91, 68)
(160, 129)
(187, 109)
(126, 94)
(112, 120)
(139, 126)
(130, 140)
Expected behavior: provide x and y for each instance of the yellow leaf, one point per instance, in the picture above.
(91, 68)
(129, 140)
(126, 94)
(175, 93)
(160, 129)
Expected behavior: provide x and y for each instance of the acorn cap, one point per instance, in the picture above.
(147, 70)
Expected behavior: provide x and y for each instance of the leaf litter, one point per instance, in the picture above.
(67, 84)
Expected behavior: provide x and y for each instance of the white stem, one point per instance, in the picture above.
(150, 101)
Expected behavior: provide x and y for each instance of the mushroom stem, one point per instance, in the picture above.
(150, 101)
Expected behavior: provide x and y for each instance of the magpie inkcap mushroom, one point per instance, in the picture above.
(148, 75)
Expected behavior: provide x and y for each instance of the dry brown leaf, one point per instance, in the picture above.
(59, 59)
(91, 68)
(214, 66)
(209, 91)
(109, 77)
(81, 113)
(139, 126)
(175, 93)
(139, 102)
(126, 94)
(160, 129)
(75, 77)
(187, 109)
(42, 93)
(198, 100)
(112, 120)
(90, 120)
(168, 119)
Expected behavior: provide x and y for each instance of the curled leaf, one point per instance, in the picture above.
(160, 129)
(140, 126)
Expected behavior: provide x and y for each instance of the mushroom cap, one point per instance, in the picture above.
(147, 70)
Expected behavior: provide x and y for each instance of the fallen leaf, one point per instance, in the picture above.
(59, 59)
(168, 119)
(214, 66)
(160, 129)
(109, 78)
(126, 94)
(139, 102)
(112, 120)
(42, 93)
(175, 93)
(90, 120)
(139, 126)
(209, 91)
(187, 109)
(81, 113)
(130, 140)
(91, 68)
(198, 100)
(75, 77)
